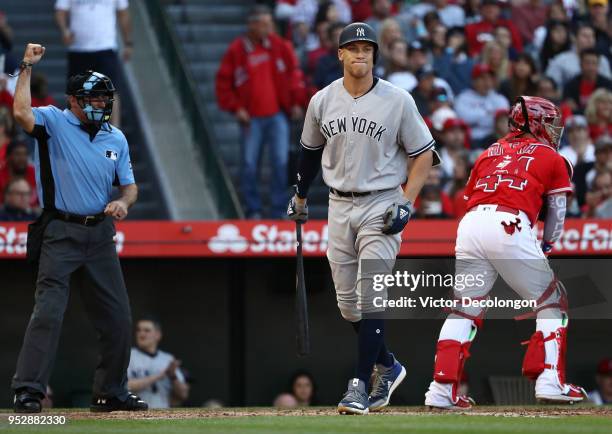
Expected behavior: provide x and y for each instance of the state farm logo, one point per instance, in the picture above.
(590, 237)
(12, 242)
(265, 239)
(228, 238)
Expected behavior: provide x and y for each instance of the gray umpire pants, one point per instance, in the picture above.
(66, 248)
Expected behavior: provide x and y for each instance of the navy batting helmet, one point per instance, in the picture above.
(359, 32)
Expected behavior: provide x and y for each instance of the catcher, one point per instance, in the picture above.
(506, 190)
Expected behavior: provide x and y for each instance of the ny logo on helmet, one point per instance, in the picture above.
(360, 32)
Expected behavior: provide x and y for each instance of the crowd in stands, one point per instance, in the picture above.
(18, 197)
(465, 62)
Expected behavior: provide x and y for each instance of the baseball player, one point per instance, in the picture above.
(508, 185)
(362, 130)
(152, 373)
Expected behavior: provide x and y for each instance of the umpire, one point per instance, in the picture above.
(79, 157)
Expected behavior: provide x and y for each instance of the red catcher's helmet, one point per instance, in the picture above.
(539, 117)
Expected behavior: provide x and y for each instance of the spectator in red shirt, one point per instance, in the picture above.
(528, 16)
(599, 113)
(361, 9)
(6, 99)
(260, 82)
(579, 89)
(481, 32)
(18, 166)
(456, 186)
(39, 89)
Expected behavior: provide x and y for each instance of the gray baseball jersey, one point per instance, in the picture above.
(142, 365)
(366, 140)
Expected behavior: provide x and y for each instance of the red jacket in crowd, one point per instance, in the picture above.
(596, 131)
(478, 34)
(361, 10)
(241, 71)
(6, 99)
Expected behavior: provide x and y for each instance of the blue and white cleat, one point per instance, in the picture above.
(386, 381)
(355, 400)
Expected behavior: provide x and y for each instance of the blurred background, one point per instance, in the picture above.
(211, 97)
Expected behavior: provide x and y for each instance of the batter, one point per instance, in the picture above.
(362, 131)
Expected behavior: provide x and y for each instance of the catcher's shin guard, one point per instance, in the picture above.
(450, 361)
(546, 349)
(452, 352)
(544, 362)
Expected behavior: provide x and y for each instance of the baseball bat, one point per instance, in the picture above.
(301, 303)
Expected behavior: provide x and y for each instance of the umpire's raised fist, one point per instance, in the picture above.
(33, 53)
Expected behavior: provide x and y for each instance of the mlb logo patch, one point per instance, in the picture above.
(112, 155)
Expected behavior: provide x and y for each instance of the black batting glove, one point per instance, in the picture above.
(396, 217)
(296, 212)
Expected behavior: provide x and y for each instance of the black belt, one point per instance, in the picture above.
(356, 193)
(85, 220)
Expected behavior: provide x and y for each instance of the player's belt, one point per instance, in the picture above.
(85, 220)
(356, 193)
(499, 208)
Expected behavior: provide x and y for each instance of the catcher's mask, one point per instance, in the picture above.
(94, 93)
(539, 117)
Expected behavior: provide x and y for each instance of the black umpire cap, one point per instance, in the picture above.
(359, 32)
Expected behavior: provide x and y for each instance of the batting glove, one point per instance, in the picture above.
(547, 247)
(297, 212)
(396, 217)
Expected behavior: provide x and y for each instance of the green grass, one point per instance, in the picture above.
(371, 424)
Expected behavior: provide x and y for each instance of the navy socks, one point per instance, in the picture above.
(371, 347)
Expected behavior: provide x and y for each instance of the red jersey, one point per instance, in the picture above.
(518, 173)
(478, 34)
